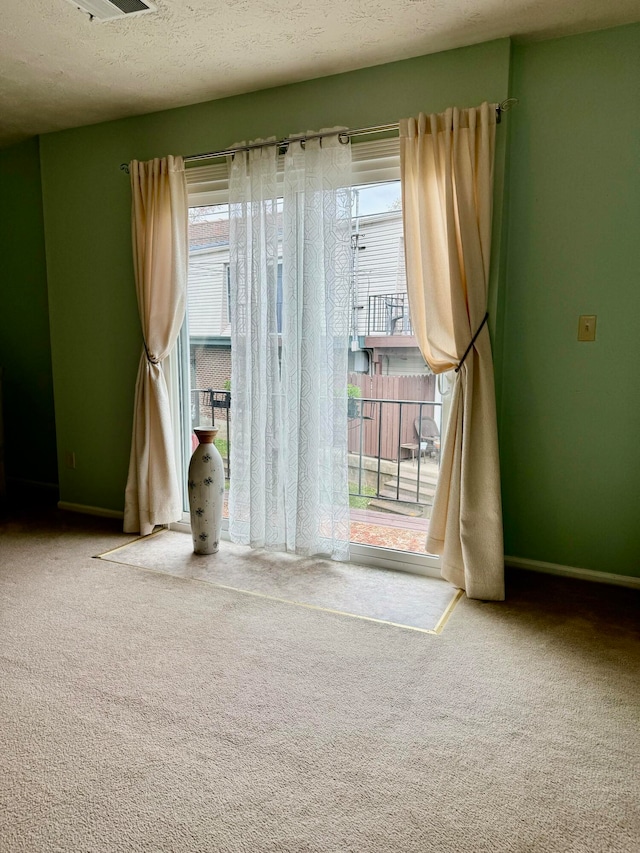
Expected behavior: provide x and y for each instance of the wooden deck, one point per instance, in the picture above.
(383, 530)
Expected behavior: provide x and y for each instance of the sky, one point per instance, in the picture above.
(376, 198)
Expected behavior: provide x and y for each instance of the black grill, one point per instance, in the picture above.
(129, 6)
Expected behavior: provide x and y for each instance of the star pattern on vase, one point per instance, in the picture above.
(206, 457)
(208, 481)
(192, 484)
(199, 511)
(203, 537)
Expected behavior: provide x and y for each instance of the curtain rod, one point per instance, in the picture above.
(502, 107)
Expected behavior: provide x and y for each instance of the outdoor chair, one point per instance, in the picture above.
(428, 436)
(394, 306)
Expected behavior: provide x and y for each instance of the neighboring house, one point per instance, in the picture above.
(381, 305)
(208, 304)
(208, 283)
(382, 342)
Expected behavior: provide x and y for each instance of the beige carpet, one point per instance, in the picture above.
(145, 712)
(383, 595)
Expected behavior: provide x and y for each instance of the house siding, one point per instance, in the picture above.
(207, 293)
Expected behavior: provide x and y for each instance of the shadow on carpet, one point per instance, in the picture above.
(380, 595)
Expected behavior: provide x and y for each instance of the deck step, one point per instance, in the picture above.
(391, 490)
(425, 476)
(411, 485)
(397, 508)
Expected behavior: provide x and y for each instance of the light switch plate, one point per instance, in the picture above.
(587, 327)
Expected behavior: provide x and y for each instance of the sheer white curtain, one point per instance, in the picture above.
(315, 316)
(256, 497)
(289, 477)
(447, 190)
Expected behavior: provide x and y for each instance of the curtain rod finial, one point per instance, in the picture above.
(504, 107)
(508, 103)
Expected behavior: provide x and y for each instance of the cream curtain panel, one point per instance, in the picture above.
(160, 255)
(447, 192)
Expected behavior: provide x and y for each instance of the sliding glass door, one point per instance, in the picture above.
(396, 405)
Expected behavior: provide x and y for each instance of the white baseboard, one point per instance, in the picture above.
(573, 572)
(90, 510)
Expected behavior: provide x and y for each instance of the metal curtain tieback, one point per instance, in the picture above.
(473, 340)
(149, 358)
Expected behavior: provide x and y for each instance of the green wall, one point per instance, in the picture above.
(25, 353)
(94, 324)
(570, 414)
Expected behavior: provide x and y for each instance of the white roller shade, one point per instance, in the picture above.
(372, 162)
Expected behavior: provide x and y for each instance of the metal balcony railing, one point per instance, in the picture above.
(206, 403)
(394, 445)
(388, 314)
(394, 449)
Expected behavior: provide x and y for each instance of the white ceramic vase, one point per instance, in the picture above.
(206, 492)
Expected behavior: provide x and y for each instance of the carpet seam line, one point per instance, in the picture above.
(126, 545)
(442, 621)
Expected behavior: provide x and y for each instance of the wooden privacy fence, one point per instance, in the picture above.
(382, 435)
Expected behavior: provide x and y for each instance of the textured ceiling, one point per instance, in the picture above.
(58, 69)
